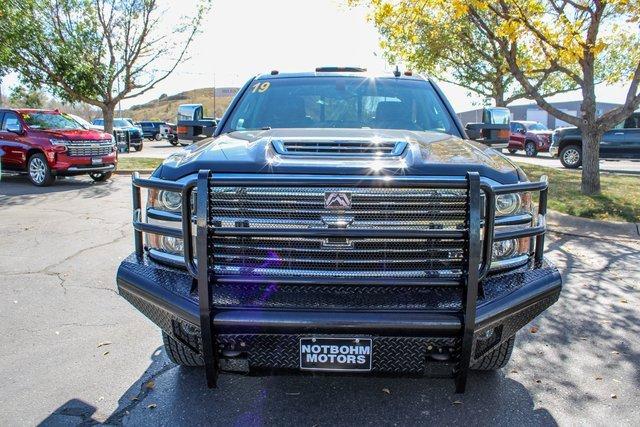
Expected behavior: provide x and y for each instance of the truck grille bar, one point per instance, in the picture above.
(383, 232)
(89, 148)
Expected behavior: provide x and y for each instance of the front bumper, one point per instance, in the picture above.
(78, 165)
(410, 328)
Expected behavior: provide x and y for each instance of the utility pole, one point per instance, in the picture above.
(214, 96)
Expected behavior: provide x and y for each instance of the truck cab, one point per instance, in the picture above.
(339, 221)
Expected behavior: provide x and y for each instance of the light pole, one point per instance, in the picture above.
(214, 96)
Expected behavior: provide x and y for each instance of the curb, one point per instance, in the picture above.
(130, 171)
(596, 229)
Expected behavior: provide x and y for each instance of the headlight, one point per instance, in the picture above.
(63, 142)
(508, 204)
(171, 200)
(165, 200)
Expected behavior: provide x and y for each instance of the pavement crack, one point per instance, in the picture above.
(117, 417)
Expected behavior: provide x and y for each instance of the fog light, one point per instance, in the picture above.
(504, 248)
(172, 245)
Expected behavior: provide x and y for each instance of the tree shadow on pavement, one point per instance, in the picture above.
(170, 395)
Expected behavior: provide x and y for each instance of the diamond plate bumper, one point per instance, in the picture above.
(263, 326)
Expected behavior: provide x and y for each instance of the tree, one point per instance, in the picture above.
(22, 97)
(445, 44)
(99, 52)
(585, 41)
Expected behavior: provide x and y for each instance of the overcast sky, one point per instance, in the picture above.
(241, 38)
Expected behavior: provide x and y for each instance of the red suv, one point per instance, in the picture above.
(47, 144)
(532, 137)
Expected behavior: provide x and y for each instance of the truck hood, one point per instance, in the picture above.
(73, 134)
(426, 153)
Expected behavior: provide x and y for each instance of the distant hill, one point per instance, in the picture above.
(166, 107)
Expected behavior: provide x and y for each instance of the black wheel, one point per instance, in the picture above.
(174, 142)
(530, 149)
(571, 156)
(496, 358)
(157, 137)
(39, 171)
(512, 150)
(138, 147)
(100, 176)
(179, 353)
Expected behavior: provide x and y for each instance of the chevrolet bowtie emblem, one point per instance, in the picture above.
(337, 200)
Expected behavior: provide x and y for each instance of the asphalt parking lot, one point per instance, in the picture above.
(75, 352)
(631, 167)
(156, 149)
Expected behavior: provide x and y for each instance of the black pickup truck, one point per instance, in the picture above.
(339, 222)
(621, 142)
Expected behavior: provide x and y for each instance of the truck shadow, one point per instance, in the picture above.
(170, 395)
(570, 361)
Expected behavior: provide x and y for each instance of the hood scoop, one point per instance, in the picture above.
(331, 147)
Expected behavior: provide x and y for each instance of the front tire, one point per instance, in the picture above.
(530, 149)
(138, 147)
(496, 358)
(39, 171)
(100, 176)
(571, 156)
(157, 137)
(179, 353)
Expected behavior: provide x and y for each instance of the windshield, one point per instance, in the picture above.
(121, 123)
(537, 126)
(47, 121)
(341, 102)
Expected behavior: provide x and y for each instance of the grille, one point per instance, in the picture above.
(89, 148)
(306, 208)
(355, 147)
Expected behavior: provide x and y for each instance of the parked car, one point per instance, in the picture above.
(169, 131)
(46, 144)
(532, 137)
(151, 129)
(135, 132)
(621, 142)
(84, 123)
(343, 223)
(157, 130)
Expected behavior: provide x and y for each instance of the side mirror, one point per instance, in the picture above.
(494, 130)
(522, 131)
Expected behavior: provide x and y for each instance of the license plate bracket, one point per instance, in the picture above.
(95, 161)
(335, 354)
